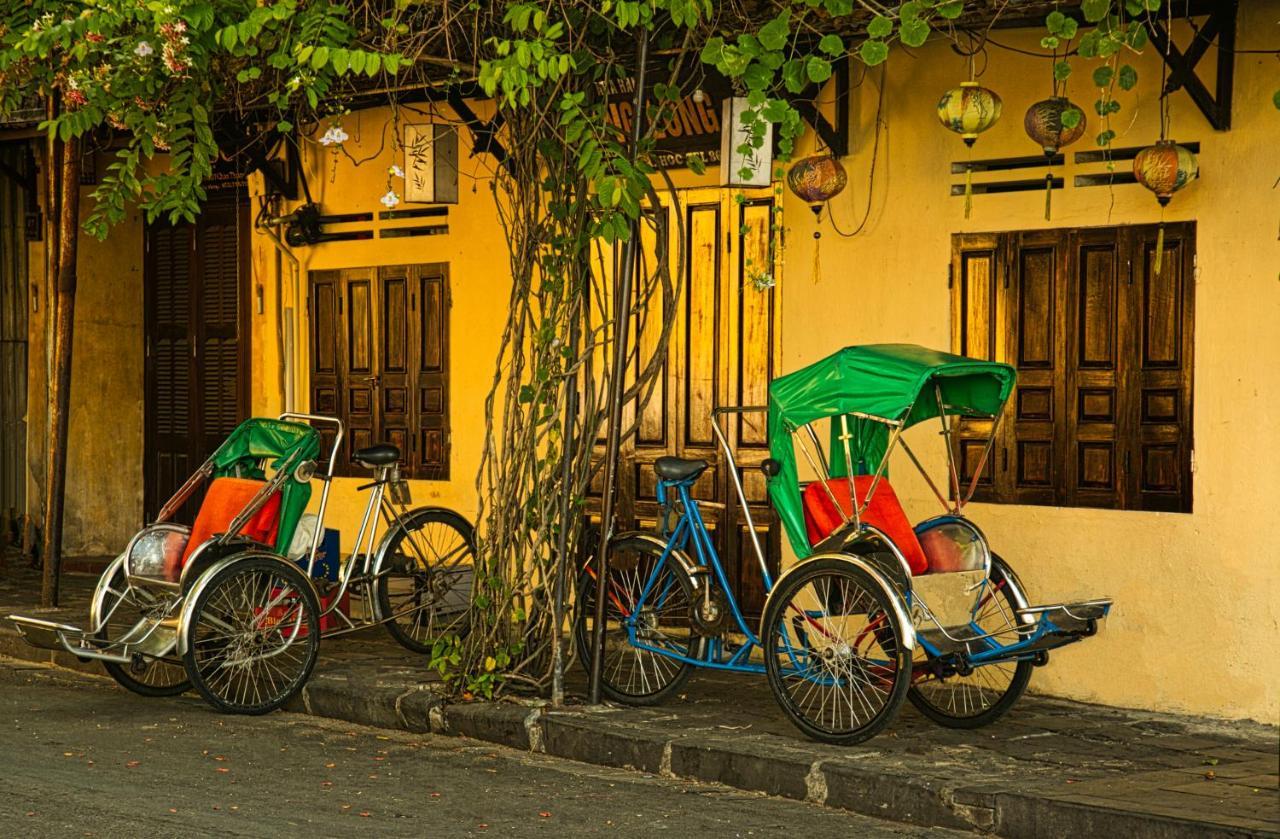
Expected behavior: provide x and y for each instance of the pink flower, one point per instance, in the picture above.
(94, 38)
(74, 99)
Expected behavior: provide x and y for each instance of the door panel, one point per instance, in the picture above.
(723, 350)
(196, 345)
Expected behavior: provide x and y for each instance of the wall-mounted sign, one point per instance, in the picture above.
(738, 168)
(691, 126)
(431, 164)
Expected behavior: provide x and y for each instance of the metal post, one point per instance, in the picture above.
(622, 319)
(563, 566)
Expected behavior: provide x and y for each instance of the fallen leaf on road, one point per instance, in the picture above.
(544, 814)
(435, 795)
(1210, 775)
(223, 769)
(133, 764)
(364, 814)
(68, 754)
(346, 807)
(1213, 761)
(173, 809)
(219, 757)
(330, 765)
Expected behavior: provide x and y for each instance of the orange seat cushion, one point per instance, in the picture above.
(225, 499)
(884, 512)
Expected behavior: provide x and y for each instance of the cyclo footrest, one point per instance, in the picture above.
(48, 635)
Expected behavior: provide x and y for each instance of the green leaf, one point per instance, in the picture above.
(1061, 71)
(774, 34)
(1049, 42)
(1275, 99)
(1128, 77)
(1071, 117)
(817, 69)
(372, 64)
(319, 58)
(1095, 10)
(341, 60)
(229, 36)
(695, 163)
(951, 10)
(911, 10)
(879, 27)
(1054, 22)
(873, 52)
(1102, 75)
(356, 60)
(832, 45)
(914, 32)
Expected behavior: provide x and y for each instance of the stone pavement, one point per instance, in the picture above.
(1050, 768)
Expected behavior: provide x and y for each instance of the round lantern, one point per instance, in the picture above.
(1165, 168)
(817, 179)
(1043, 124)
(969, 110)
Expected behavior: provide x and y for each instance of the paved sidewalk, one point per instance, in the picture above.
(1050, 768)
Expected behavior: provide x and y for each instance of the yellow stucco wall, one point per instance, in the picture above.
(1198, 609)
(479, 273)
(103, 506)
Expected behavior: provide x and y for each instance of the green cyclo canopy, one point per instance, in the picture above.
(873, 387)
(280, 443)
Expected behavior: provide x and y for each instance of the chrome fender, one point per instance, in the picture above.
(100, 593)
(1015, 586)
(202, 582)
(877, 576)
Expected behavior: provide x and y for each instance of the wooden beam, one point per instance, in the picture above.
(1221, 25)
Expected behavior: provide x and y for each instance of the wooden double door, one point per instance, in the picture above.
(197, 345)
(724, 349)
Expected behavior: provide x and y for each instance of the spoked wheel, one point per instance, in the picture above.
(833, 652)
(252, 635)
(987, 692)
(639, 675)
(136, 614)
(424, 590)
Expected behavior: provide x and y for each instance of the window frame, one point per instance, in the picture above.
(399, 391)
(1102, 415)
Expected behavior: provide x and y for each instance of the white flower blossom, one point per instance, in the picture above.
(335, 136)
(390, 200)
(395, 171)
(143, 49)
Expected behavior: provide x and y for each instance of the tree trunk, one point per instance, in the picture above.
(63, 313)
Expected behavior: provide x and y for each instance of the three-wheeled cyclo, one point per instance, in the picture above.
(875, 611)
(236, 603)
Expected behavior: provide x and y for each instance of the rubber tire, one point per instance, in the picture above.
(586, 582)
(311, 614)
(1017, 685)
(776, 607)
(467, 531)
(126, 679)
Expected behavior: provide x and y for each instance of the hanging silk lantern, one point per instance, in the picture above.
(1165, 168)
(816, 180)
(1043, 124)
(969, 110)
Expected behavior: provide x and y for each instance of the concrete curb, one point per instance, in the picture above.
(757, 762)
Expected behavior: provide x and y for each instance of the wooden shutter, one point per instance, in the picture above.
(379, 362)
(1033, 442)
(171, 365)
(327, 335)
(1100, 320)
(394, 378)
(430, 388)
(1160, 478)
(1103, 346)
(977, 276)
(217, 324)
